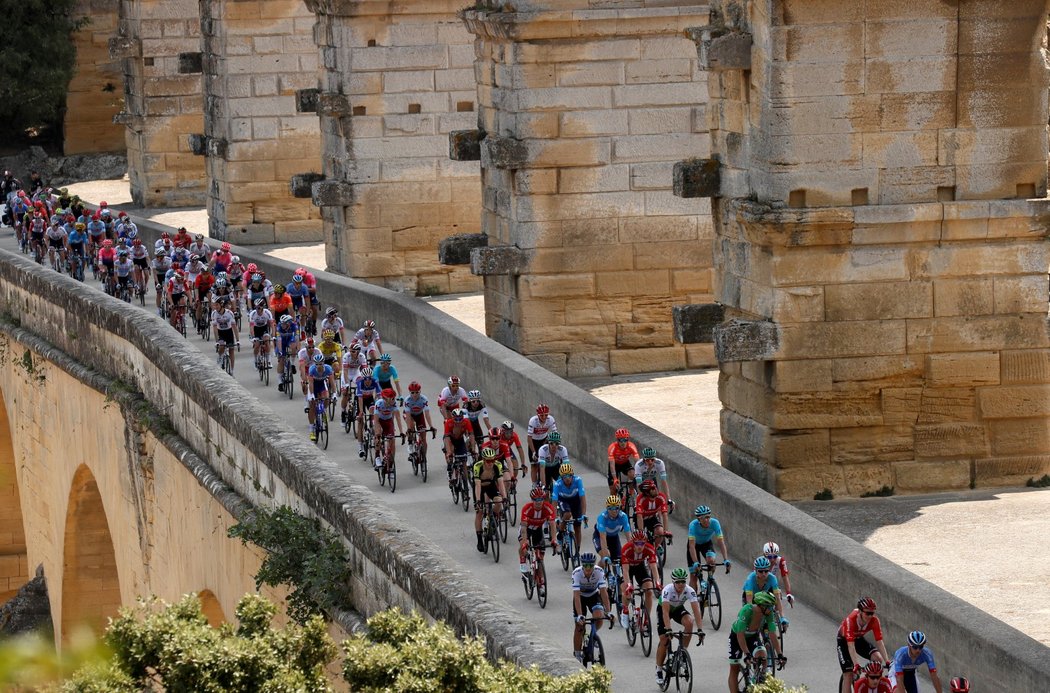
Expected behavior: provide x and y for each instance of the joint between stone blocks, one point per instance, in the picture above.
(465, 145)
(500, 260)
(332, 193)
(697, 178)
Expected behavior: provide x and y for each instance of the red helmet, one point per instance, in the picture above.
(960, 685)
(121, 215)
(137, 241)
(299, 270)
(873, 669)
(453, 380)
(638, 536)
(537, 493)
(310, 342)
(252, 268)
(494, 432)
(103, 204)
(95, 216)
(543, 409)
(107, 243)
(622, 433)
(414, 386)
(165, 235)
(226, 247)
(388, 393)
(866, 604)
(648, 485)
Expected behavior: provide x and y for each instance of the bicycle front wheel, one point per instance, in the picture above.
(322, 436)
(494, 539)
(631, 631)
(598, 657)
(502, 524)
(645, 631)
(392, 476)
(541, 584)
(683, 679)
(714, 604)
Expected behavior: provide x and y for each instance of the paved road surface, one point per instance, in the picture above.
(429, 508)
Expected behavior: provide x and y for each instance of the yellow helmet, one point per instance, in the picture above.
(565, 469)
(488, 453)
(328, 334)
(612, 502)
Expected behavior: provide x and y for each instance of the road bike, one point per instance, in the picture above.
(320, 423)
(203, 320)
(223, 350)
(287, 384)
(614, 576)
(593, 650)
(570, 552)
(710, 596)
(490, 529)
(262, 360)
(458, 483)
(384, 463)
(678, 665)
(536, 578)
(755, 670)
(76, 266)
(417, 450)
(639, 625)
(124, 291)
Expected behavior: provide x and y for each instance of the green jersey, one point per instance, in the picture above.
(743, 621)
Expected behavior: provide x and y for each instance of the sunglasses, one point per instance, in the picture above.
(869, 613)
(761, 572)
(588, 565)
(622, 440)
(679, 582)
(874, 677)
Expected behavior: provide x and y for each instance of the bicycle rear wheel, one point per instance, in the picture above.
(530, 584)
(714, 604)
(512, 502)
(541, 584)
(423, 467)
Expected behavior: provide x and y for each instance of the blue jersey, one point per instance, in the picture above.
(77, 237)
(368, 388)
(416, 405)
(701, 535)
(384, 377)
(573, 489)
(296, 291)
(320, 371)
(751, 583)
(902, 660)
(610, 525)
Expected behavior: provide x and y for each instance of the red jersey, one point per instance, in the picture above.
(851, 630)
(861, 686)
(514, 440)
(622, 455)
(647, 507)
(204, 281)
(310, 281)
(465, 423)
(780, 565)
(107, 254)
(535, 514)
(630, 554)
(182, 240)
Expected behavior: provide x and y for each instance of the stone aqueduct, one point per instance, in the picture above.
(853, 191)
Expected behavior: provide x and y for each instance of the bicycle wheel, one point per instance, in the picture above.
(501, 525)
(541, 584)
(564, 554)
(714, 603)
(512, 502)
(599, 651)
(415, 465)
(631, 631)
(266, 375)
(530, 585)
(290, 390)
(668, 671)
(574, 553)
(464, 491)
(494, 539)
(771, 662)
(392, 476)
(683, 679)
(322, 436)
(423, 467)
(645, 631)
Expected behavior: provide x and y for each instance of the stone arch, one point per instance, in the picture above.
(13, 560)
(90, 582)
(211, 608)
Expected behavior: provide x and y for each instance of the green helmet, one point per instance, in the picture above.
(765, 599)
(679, 574)
(554, 437)
(648, 453)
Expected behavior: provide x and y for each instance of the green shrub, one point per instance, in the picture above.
(776, 686)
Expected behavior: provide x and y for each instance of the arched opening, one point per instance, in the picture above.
(90, 584)
(211, 608)
(14, 569)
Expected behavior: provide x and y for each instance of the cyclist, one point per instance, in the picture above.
(96, 232)
(960, 684)
(176, 291)
(349, 372)
(622, 456)
(590, 593)
(306, 357)
(386, 374)
(57, 236)
(551, 456)
(385, 414)
(300, 296)
(509, 441)
(107, 256)
(77, 240)
(907, 660)
(122, 268)
(280, 303)
(678, 603)
(235, 272)
(607, 528)
(761, 580)
(287, 343)
(221, 259)
(779, 567)
(452, 397)
(459, 438)
(199, 247)
(333, 353)
(503, 454)
(539, 426)
(225, 325)
(332, 321)
(535, 515)
(570, 497)
(311, 286)
(368, 336)
(140, 256)
(638, 558)
(871, 680)
(417, 415)
(745, 636)
(203, 284)
(37, 226)
(258, 289)
(182, 237)
(488, 485)
(320, 376)
(652, 467)
(261, 322)
(478, 414)
(650, 511)
(853, 647)
(366, 389)
(163, 243)
(704, 531)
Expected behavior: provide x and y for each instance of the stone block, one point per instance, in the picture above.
(747, 340)
(946, 405)
(455, 250)
(499, 260)
(952, 370)
(950, 440)
(198, 143)
(696, 322)
(804, 483)
(730, 51)
(191, 63)
(333, 105)
(582, 364)
(301, 184)
(121, 47)
(978, 333)
(697, 178)
(964, 297)
(1021, 294)
(700, 356)
(835, 409)
(1004, 471)
(332, 193)
(878, 300)
(627, 361)
(465, 145)
(306, 100)
(1020, 436)
(560, 285)
(503, 153)
(1014, 402)
(867, 478)
(633, 335)
(1029, 366)
(928, 475)
(871, 444)
(803, 375)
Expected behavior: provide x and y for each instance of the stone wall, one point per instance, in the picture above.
(14, 563)
(257, 55)
(884, 271)
(158, 44)
(95, 93)
(584, 112)
(398, 78)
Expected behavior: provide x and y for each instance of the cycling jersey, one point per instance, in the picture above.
(176, 286)
(703, 535)
(573, 489)
(903, 662)
(260, 318)
(612, 525)
(280, 306)
(385, 376)
(384, 411)
(296, 290)
(742, 624)
(450, 399)
(622, 455)
(488, 472)
(645, 506)
(678, 600)
(222, 260)
(642, 471)
(536, 513)
(632, 554)
(476, 409)
(538, 430)
(513, 440)
(306, 354)
(319, 372)
(779, 566)
(124, 267)
(559, 456)
(107, 255)
(751, 584)
(861, 686)
(465, 428)
(416, 405)
(201, 249)
(330, 350)
(204, 282)
(588, 585)
(367, 341)
(367, 387)
(224, 320)
(851, 630)
(335, 324)
(77, 237)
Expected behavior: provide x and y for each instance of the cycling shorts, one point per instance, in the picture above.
(320, 388)
(571, 505)
(534, 535)
(589, 604)
(224, 336)
(419, 421)
(678, 614)
(701, 551)
(612, 540)
(55, 243)
(864, 650)
(386, 427)
(736, 655)
(650, 523)
(639, 573)
(141, 262)
(259, 330)
(489, 491)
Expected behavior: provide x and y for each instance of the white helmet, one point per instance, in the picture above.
(771, 548)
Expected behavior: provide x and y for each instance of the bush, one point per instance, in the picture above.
(772, 685)
(403, 653)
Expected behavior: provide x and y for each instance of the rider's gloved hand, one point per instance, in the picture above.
(783, 621)
(790, 600)
(728, 563)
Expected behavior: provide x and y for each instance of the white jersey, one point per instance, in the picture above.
(351, 368)
(557, 457)
(224, 320)
(366, 342)
(452, 399)
(588, 586)
(677, 599)
(538, 430)
(260, 318)
(642, 472)
(335, 325)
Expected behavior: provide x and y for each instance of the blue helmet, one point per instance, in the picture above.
(762, 563)
(588, 559)
(917, 638)
(702, 510)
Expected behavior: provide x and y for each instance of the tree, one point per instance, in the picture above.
(37, 60)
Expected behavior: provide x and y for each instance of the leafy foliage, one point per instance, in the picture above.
(302, 554)
(175, 648)
(37, 59)
(30, 661)
(403, 653)
(772, 685)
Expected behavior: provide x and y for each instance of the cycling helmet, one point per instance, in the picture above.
(318, 358)
(453, 381)
(537, 493)
(162, 253)
(866, 604)
(199, 237)
(165, 236)
(638, 536)
(286, 319)
(771, 548)
(310, 344)
(474, 394)
(331, 311)
(588, 558)
(107, 243)
(679, 575)
(122, 252)
(543, 409)
(622, 433)
(205, 268)
(386, 358)
(612, 502)
(235, 259)
(554, 437)
(648, 485)
(765, 599)
(355, 345)
(488, 454)
(300, 270)
(415, 387)
(458, 414)
(137, 241)
(221, 284)
(121, 215)
(103, 204)
(180, 273)
(917, 638)
(494, 432)
(328, 334)
(195, 258)
(279, 289)
(222, 275)
(873, 669)
(960, 685)
(649, 454)
(565, 469)
(388, 393)
(370, 324)
(258, 277)
(702, 511)
(297, 278)
(366, 371)
(226, 246)
(259, 303)
(507, 426)
(762, 563)
(252, 267)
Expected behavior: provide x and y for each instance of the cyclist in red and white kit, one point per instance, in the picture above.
(534, 515)
(650, 511)
(622, 456)
(778, 566)
(451, 397)
(539, 426)
(871, 680)
(638, 558)
(853, 647)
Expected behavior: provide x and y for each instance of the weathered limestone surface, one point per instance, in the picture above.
(257, 56)
(162, 107)
(396, 80)
(586, 112)
(885, 273)
(28, 611)
(94, 92)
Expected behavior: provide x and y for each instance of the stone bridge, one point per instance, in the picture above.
(853, 191)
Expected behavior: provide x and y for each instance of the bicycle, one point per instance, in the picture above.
(288, 376)
(76, 266)
(385, 467)
(570, 554)
(490, 529)
(639, 623)
(756, 669)
(203, 322)
(710, 596)
(661, 549)
(593, 650)
(124, 292)
(180, 319)
(614, 576)
(536, 578)
(858, 672)
(262, 360)
(320, 424)
(224, 355)
(678, 665)
(458, 484)
(417, 450)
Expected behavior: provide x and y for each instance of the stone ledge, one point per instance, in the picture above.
(191, 63)
(499, 260)
(697, 178)
(503, 153)
(695, 323)
(301, 184)
(746, 340)
(202, 145)
(332, 193)
(583, 24)
(456, 250)
(718, 51)
(465, 145)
